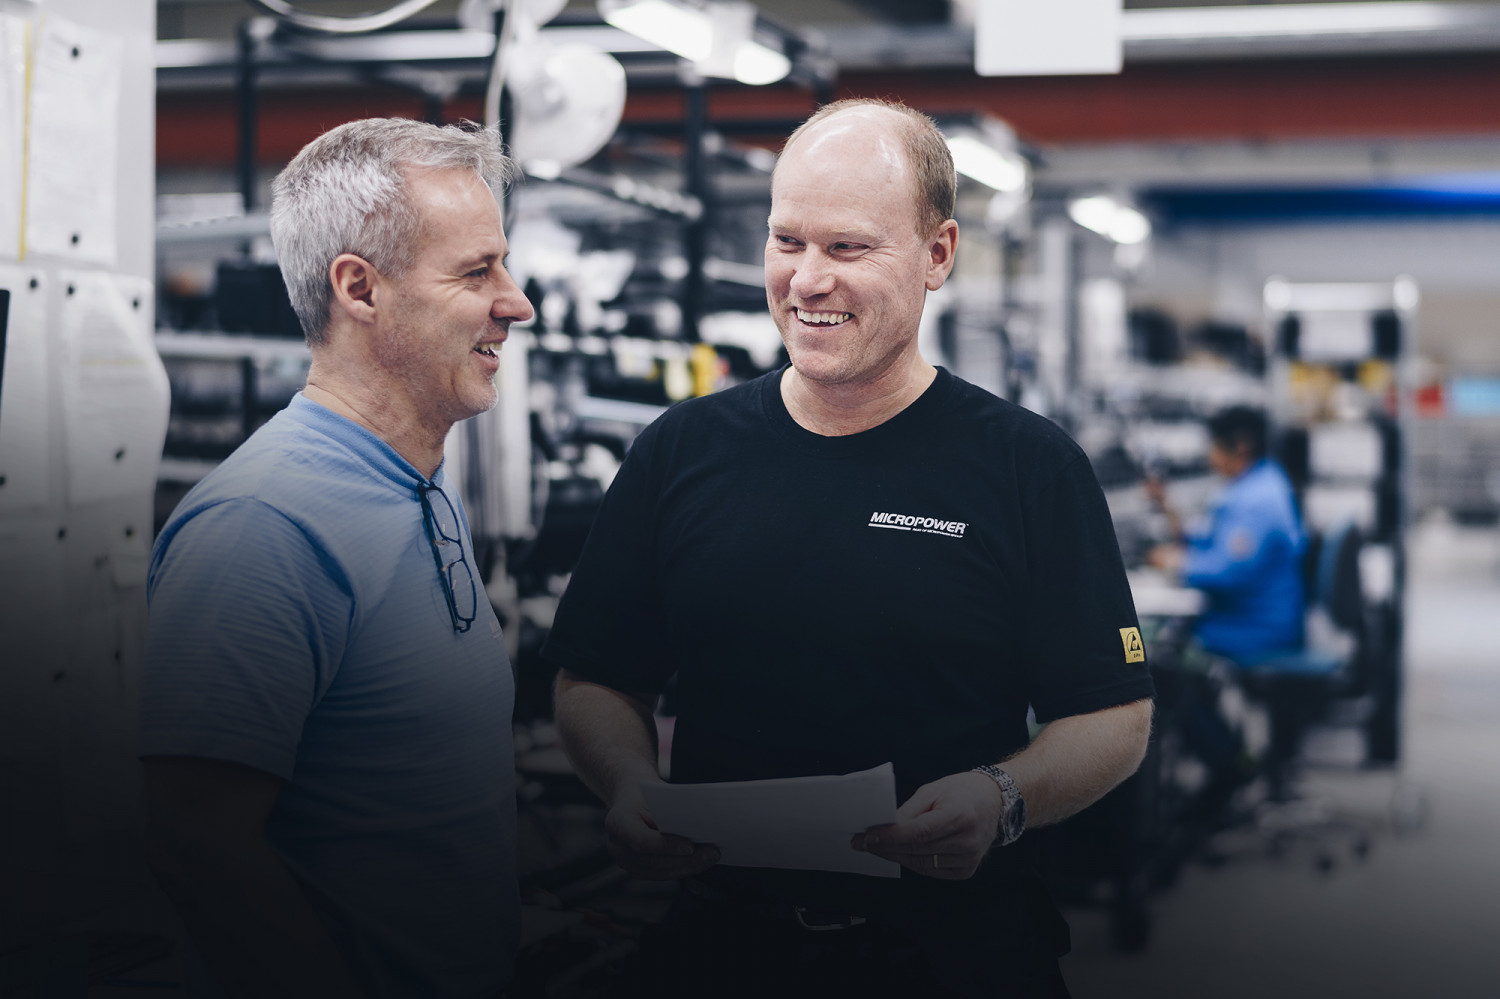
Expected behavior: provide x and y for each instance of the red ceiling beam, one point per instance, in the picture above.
(1280, 99)
(198, 129)
(1405, 97)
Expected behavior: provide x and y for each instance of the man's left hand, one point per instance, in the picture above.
(943, 830)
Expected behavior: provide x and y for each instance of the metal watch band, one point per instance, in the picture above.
(1013, 818)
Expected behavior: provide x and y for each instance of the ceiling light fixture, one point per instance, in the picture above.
(757, 65)
(1111, 219)
(1003, 170)
(717, 37)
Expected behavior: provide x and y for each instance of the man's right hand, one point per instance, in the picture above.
(646, 852)
(610, 738)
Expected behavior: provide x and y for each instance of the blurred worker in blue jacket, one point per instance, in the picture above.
(1247, 556)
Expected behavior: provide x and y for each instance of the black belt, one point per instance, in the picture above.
(807, 917)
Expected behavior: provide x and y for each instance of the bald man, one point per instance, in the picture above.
(856, 559)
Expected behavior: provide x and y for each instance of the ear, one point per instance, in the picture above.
(940, 251)
(353, 279)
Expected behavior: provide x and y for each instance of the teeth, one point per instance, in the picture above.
(825, 318)
(486, 351)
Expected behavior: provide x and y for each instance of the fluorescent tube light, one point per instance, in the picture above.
(683, 30)
(978, 160)
(1110, 219)
(1298, 19)
(688, 31)
(757, 65)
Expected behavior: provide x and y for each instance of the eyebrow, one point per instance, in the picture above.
(470, 262)
(836, 236)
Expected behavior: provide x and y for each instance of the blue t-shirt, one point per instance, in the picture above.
(298, 626)
(1248, 560)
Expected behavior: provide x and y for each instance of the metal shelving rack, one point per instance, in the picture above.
(1340, 396)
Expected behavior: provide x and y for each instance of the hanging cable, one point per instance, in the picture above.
(330, 24)
(494, 84)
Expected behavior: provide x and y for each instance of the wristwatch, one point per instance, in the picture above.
(1013, 814)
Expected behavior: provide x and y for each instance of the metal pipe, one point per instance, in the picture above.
(333, 25)
(699, 183)
(246, 39)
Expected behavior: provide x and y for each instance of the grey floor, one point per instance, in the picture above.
(1421, 915)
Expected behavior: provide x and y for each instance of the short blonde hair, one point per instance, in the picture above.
(926, 151)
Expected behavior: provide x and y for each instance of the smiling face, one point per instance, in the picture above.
(847, 272)
(446, 317)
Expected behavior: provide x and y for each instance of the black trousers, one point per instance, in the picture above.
(720, 950)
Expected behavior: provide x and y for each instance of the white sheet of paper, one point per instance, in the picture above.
(25, 460)
(801, 823)
(115, 392)
(70, 179)
(13, 44)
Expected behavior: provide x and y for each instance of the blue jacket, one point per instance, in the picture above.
(1249, 563)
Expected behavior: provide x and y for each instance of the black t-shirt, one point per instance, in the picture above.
(832, 603)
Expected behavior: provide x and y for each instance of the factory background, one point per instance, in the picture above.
(1165, 208)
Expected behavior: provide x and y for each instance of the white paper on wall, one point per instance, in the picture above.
(1031, 38)
(115, 394)
(25, 459)
(14, 36)
(70, 174)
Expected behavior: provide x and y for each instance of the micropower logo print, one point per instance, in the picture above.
(926, 525)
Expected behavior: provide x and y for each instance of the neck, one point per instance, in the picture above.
(1240, 464)
(838, 410)
(382, 413)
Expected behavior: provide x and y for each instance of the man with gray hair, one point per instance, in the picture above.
(859, 559)
(327, 701)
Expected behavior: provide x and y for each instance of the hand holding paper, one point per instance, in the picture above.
(639, 846)
(800, 823)
(944, 830)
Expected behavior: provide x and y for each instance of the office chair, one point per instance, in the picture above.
(1298, 688)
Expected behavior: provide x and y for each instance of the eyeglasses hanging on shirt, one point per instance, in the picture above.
(454, 571)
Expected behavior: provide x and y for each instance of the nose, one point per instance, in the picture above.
(511, 303)
(813, 275)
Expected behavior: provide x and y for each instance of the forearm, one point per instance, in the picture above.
(1174, 524)
(609, 736)
(1075, 761)
(1217, 569)
(247, 915)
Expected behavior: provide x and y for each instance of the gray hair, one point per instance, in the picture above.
(346, 192)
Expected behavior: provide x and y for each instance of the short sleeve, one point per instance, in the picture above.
(248, 624)
(609, 627)
(1082, 650)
